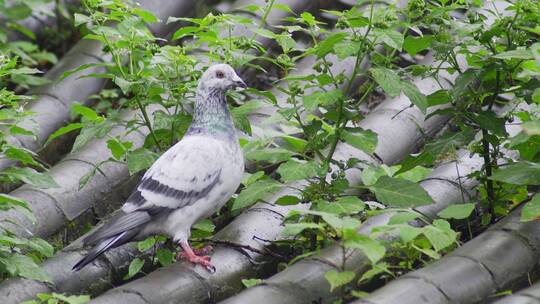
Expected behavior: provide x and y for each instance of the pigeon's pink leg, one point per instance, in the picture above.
(196, 258)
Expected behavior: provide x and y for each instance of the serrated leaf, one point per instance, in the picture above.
(389, 81)
(397, 192)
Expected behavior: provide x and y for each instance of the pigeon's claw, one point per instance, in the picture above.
(197, 256)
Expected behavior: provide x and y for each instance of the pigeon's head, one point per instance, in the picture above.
(221, 77)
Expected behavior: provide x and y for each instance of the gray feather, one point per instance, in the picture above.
(119, 223)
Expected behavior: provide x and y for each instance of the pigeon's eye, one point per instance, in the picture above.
(220, 74)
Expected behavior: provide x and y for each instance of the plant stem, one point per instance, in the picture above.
(147, 122)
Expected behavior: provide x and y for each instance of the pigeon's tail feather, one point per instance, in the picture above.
(119, 223)
(119, 230)
(98, 250)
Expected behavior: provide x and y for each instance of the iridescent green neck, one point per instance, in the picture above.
(211, 115)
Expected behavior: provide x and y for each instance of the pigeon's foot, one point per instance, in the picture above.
(197, 256)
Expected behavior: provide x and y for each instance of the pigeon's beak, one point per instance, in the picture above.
(238, 82)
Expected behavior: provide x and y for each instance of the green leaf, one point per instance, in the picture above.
(295, 170)
(437, 148)
(274, 155)
(438, 98)
(134, 267)
(519, 173)
(123, 84)
(297, 144)
(403, 217)
(531, 210)
(364, 140)
(64, 130)
(184, 31)
(287, 200)
(515, 54)
(414, 45)
(531, 127)
(7, 202)
(338, 279)
(24, 266)
(251, 282)
(459, 211)
(408, 233)
(164, 256)
(255, 192)
(292, 229)
(440, 234)
(205, 225)
(390, 37)
(488, 120)
(340, 223)
(140, 159)
(415, 96)
(80, 19)
(319, 98)
(373, 249)
(41, 246)
(416, 174)
(23, 155)
(388, 80)
(71, 299)
(90, 132)
(118, 148)
(401, 193)
(327, 45)
(147, 16)
(86, 112)
(148, 243)
(343, 205)
(32, 177)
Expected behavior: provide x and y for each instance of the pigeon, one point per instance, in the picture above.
(190, 181)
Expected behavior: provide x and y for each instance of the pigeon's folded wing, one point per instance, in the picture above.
(181, 176)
